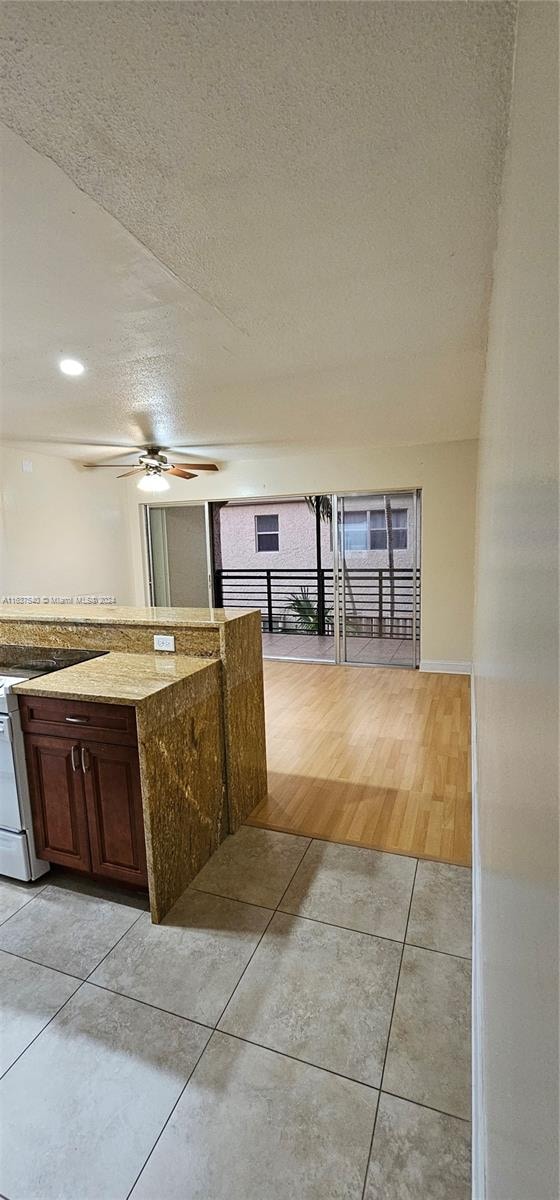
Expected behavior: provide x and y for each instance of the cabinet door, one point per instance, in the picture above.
(114, 809)
(57, 801)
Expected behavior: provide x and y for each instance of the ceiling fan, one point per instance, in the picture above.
(153, 464)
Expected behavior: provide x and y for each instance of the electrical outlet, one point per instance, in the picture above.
(164, 641)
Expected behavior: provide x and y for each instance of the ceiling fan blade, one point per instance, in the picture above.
(197, 466)
(179, 471)
(135, 471)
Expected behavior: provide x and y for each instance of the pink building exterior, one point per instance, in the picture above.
(296, 535)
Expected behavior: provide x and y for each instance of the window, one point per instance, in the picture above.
(266, 532)
(355, 531)
(378, 529)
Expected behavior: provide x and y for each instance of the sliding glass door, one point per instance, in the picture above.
(378, 578)
(336, 578)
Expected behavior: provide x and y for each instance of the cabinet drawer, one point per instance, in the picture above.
(63, 718)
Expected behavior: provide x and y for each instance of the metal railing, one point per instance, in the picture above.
(376, 602)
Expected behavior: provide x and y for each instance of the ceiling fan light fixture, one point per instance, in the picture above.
(153, 482)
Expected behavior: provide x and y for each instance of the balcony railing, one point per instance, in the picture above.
(302, 600)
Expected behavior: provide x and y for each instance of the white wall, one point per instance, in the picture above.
(516, 660)
(62, 529)
(446, 472)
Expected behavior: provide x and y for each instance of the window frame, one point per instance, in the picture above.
(267, 533)
(383, 530)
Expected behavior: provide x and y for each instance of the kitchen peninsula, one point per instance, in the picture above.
(190, 724)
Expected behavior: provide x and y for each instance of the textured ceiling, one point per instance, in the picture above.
(313, 193)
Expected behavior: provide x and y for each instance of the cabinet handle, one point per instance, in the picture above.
(75, 764)
(85, 760)
(77, 720)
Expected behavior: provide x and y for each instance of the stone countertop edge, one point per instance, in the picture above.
(116, 678)
(114, 614)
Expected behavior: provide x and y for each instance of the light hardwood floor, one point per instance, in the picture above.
(372, 756)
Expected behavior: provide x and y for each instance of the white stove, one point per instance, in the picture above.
(9, 702)
(17, 849)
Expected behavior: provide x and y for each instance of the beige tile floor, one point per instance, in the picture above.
(380, 651)
(297, 1029)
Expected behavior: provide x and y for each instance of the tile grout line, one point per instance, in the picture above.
(382, 937)
(5, 920)
(404, 945)
(305, 1062)
(389, 1032)
(294, 873)
(430, 1107)
(67, 1001)
(170, 1114)
(247, 964)
(146, 1003)
(46, 967)
(234, 899)
(445, 953)
(117, 943)
(41, 1031)
(272, 915)
(316, 920)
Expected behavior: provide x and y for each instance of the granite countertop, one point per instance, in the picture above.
(115, 678)
(115, 614)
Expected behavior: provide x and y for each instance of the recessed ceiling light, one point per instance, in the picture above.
(71, 366)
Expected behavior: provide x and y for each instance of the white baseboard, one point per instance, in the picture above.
(446, 668)
(478, 1093)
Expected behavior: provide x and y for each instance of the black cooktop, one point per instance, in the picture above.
(19, 659)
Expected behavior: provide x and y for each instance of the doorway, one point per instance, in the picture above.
(178, 543)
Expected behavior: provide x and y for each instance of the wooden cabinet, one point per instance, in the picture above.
(114, 811)
(57, 801)
(85, 793)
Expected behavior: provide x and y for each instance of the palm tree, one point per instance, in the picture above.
(305, 612)
(321, 506)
